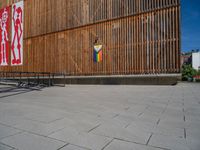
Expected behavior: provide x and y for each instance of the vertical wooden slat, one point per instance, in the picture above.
(138, 36)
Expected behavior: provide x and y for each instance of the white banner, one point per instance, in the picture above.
(17, 34)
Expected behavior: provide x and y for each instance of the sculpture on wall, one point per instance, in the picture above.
(17, 34)
(4, 43)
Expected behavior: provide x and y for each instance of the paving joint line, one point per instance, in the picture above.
(55, 120)
(141, 144)
(93, 128)
(11, 135)
(127, 125)
(45, 136)
(149, 139)
(26, 131)
(63, 146)
(184, 119)
(128, 141)
(158, 121)
(10, 126)
(80, 146)
(185, 133)
(13, 148)
(162, 148)
(115, 116)
(107, 144)
(56, 131)
(140, 114)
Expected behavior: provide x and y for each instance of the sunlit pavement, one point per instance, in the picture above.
(97, 117)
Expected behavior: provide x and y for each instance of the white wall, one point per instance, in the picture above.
(196, 60)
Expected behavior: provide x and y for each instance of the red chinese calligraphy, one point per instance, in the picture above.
(4, 43)
(17, 34)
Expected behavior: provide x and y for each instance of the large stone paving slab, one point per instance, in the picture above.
(87, 140)
(113, 131)
(72, 147)
(123, 145)
(7, 131)
(169, 142)
(9, 120)
(192, 137)
(144, 126)
(169, 131)
(79, 124)
(5, 147)
(27, 141)
(38, 127)
(102, 117)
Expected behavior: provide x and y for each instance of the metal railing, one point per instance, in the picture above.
(30, 79)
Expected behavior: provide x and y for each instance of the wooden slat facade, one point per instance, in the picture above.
(138, 36)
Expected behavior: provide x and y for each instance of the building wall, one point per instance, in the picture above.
(196, 60)
(138, 36)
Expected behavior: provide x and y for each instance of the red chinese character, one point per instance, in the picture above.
(17, 20)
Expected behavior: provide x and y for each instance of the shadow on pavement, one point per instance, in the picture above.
(13, 90)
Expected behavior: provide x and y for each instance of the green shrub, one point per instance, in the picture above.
(188, 72)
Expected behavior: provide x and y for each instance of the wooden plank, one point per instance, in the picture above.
(138, 36)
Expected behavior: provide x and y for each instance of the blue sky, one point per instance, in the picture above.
(190, 24)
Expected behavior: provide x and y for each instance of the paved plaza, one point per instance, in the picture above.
(101, 117)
